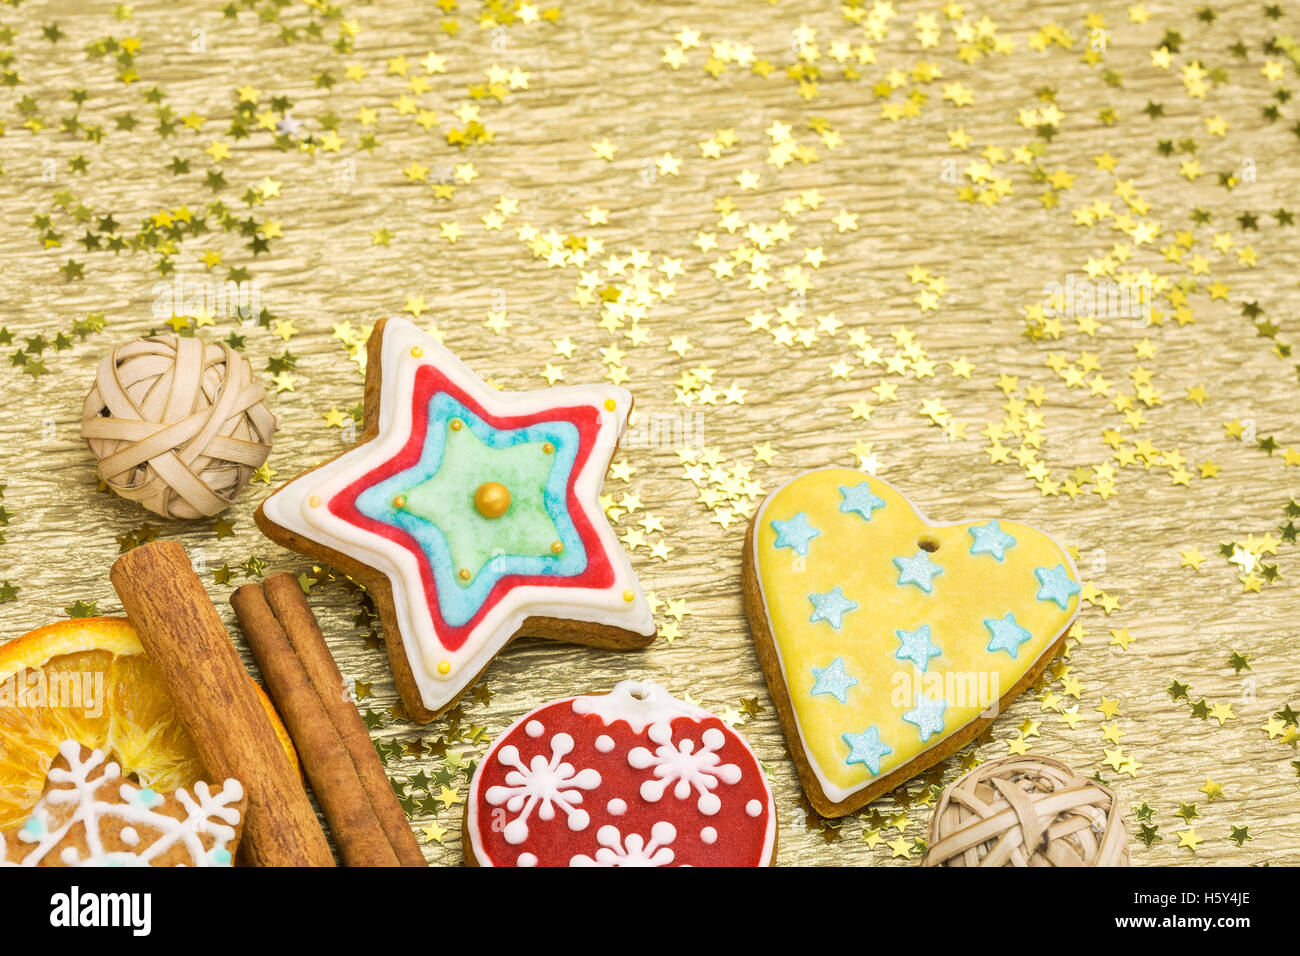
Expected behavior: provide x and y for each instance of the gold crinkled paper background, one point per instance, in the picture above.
(802, 234)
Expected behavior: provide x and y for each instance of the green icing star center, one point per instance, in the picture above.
(446, 500)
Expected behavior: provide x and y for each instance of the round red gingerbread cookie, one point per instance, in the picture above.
(634, 777)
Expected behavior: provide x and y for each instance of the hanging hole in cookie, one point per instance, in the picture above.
(637, 694)
(927, 543)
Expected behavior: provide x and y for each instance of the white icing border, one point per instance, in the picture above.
(833, 792)
(639, 704)
(655, 705)
(289, 508)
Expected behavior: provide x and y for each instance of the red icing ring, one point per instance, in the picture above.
(630, 778)
(430, 381)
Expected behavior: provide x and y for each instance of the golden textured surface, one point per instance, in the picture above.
(352, 238)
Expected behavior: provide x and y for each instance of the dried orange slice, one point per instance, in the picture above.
(89, 680)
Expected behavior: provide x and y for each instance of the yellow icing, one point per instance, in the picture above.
(857, 555)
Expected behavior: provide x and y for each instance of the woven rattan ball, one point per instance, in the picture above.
(177, 424)
(1026, 811)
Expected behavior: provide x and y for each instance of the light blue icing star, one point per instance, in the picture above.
(927, 715)
(1007, 634)
(918, 570)
(860, 499)
(866, 748)
(831, 607)
(1055, 584)
(795, 533)
(833, 680)
(991, 539)
(456, 602)
(916, 646)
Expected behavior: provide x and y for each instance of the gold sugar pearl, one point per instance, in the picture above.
(456, 424)
(314, 501)
(492, 499)
(629, 596)
(416, 351)
(547, 448)
(464, 574)
(399, 501)
(557, 547)
(610, 405)
(444, 667)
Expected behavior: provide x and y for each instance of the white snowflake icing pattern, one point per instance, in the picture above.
(542, 785)
(632, 850)
(209, 812)
(684, 768)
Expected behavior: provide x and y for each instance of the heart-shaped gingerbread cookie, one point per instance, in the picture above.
(889, 640)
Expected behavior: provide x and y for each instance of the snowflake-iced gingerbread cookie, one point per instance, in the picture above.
(473, 516)
(629, 778)
(889, 640)
(89, 815)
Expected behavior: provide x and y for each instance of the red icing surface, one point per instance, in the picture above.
(429, 382)
(740, 837)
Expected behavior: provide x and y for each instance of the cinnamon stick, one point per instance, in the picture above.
(290, 606)
(369, 826)
(218, 703)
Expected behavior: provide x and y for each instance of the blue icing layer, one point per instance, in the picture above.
(460, 603)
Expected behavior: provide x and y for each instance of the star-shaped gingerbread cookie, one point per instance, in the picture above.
(472, 515)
